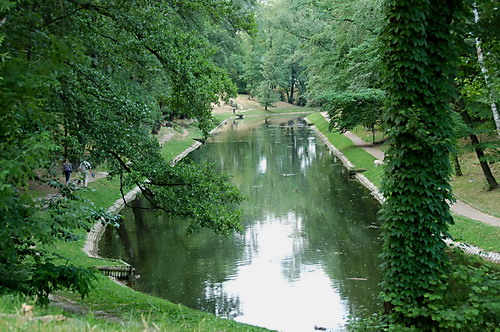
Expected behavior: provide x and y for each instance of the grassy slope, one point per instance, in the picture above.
(127, 309)
(466, 230)
(359, 157)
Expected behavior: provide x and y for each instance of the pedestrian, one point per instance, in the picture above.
(85, 168)
(67, 169)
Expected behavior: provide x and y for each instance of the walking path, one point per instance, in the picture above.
(459, 207)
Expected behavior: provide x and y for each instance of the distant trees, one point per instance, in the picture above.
(330, 52)
(266, 95)
(326, 52)
(89, 76)
(271, 65)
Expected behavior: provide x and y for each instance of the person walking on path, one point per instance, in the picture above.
(85, 169)
(67, 169)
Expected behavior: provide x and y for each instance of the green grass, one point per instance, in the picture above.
(366, 135)
(103, 193)
(272, 111)
(472, 187)
(125, 310)
(223, 116)
(475, 232)
(13, 320)
(358, 157)
(465, 230)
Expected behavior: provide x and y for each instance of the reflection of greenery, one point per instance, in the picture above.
(156, 245)
(288, 178)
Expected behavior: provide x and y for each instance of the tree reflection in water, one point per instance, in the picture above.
(309, 252)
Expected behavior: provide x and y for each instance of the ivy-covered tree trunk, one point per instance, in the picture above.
(419, 63)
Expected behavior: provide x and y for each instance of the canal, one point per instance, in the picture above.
(308, 255)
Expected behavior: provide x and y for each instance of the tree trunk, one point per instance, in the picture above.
(484, 70)
(292, 85)
(372, 128)
(456, 164)
(302, 89)
(492, 183)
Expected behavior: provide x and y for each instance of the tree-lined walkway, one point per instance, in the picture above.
(459, 207)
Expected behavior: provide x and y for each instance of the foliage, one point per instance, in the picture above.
(469, 301)
(93, 78)
(266, 95)
(359, 157)
(419, 66)
(272, 60)
(349, 109)
(29, 229)
(476, 84)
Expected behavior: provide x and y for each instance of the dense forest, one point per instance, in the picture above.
(94, 79)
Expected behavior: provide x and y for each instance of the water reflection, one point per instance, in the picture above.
(307, 256)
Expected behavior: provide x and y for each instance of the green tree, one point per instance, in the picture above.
(350, 109)
(266, 95)
(475, 87)
(342, 59)
(82, 76)
(419, 66)
(271, 59)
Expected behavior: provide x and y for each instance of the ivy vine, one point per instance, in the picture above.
(419, 64)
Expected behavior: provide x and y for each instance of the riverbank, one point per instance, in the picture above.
(466, 230)
(110, 306)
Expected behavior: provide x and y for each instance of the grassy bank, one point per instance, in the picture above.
(465, 230)
(471, 187)
(110, 306)
(359, 157)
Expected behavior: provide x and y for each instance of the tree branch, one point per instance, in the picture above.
(65, 16)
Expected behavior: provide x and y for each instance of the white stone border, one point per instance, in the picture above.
(465, 247)
(347, 163)
(97, 231)
(91, 246)
(472, 250)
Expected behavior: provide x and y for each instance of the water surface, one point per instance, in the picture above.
(308, 253)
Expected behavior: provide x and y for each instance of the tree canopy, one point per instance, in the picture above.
(93, 78)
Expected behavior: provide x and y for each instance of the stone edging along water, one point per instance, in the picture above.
(91, 246)
(467, 248)
(97, 231)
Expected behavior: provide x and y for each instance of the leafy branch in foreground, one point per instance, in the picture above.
(83, 78)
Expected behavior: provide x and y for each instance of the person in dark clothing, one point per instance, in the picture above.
(67, 170)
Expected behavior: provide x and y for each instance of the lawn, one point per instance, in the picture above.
(469, 188)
